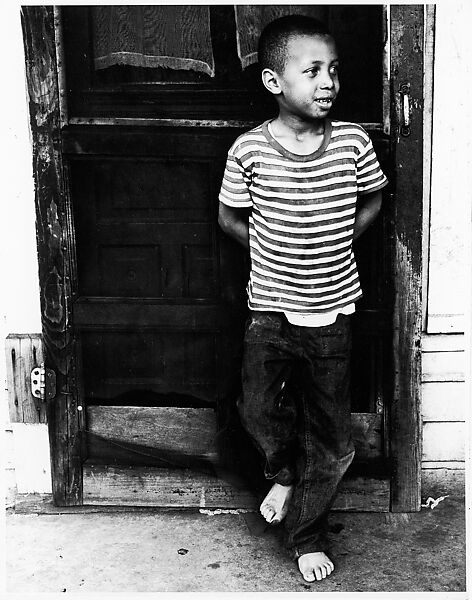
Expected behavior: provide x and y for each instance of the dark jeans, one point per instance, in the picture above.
(296, 407)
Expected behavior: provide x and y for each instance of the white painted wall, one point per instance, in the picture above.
(451, 183)
(446, 351)
(19, 298)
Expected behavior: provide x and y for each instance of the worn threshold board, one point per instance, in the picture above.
(146, 486)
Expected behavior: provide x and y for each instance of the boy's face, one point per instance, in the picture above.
(309, 82)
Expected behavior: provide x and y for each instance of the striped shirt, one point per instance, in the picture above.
(302, 219)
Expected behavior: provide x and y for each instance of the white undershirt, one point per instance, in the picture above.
(319, 319)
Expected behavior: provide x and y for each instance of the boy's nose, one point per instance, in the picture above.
(327, 81)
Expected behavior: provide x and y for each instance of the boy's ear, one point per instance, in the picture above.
(270, 79)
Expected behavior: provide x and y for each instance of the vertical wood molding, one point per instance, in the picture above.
(430, 25)
(406, 427)
(53, 242)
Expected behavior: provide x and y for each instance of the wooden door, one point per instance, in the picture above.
(143, 300)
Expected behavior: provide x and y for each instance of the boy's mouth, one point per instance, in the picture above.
(325, 102)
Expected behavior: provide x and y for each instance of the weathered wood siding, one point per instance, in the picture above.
(444, 407)
(24, 352)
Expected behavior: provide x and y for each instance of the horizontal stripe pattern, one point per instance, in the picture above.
(302, 219)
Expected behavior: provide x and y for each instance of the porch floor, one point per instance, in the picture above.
(170, 551)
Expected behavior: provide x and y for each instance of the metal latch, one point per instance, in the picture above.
(405, 128)
(43, 383)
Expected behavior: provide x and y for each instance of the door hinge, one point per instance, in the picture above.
(43, 383)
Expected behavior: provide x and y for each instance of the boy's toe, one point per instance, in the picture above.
(309, 576)
(268, 513)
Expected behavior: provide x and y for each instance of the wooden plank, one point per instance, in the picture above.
(15, 382)
(23, 353)
(442, 482)
(385, 71)
(450, 342)
(61, 75)
(446, 323)
(430, 23)
(444, 401)
(407, 218)
(107, 140)
(27, 504)
(443, 366)
(149, 121)
(55, 248)
(148, 486)
(214, 123)
(444, 441)
(107, 312)
(453, 465)
(363, 494)
(188, 432)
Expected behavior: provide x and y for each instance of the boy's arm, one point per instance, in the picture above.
(234, 222)
(367, 211)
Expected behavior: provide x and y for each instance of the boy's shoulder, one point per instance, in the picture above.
(346, 128)
(248, 139)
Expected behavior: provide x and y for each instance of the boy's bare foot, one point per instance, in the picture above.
(275, 505)
(315, 566)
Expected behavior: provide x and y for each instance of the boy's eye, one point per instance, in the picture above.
(314, 71)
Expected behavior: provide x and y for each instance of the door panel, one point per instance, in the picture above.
(140, 232)
(158, 284)
(150, 366)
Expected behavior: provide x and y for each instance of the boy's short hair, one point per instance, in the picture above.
(272, 49)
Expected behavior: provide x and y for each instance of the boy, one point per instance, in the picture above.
(312, 186)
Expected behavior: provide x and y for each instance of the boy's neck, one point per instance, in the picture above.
(292, 126)
(297, 136)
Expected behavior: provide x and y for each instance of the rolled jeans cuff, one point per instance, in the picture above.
(284, 476)
(320, 545)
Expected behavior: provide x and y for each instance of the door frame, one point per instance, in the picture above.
(56, 247)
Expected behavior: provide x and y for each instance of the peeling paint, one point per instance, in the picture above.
(52, 294)
(43, 153)
(54, 227)
(225, 511)
(431, 503)
(42, 90)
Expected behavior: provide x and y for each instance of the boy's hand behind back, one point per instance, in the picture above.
(234, 222)
(368, 209)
